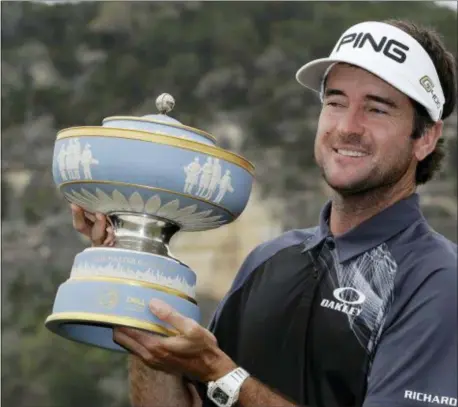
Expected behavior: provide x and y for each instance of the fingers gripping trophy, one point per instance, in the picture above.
(152, 177)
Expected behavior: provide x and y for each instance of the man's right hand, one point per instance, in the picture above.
(95, 227)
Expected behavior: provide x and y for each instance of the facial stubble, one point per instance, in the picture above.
(384, 175)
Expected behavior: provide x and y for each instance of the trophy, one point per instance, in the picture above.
(151, 176)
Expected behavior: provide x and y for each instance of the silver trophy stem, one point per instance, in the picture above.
(143, 233)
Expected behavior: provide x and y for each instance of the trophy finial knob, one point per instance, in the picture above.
(165, 103)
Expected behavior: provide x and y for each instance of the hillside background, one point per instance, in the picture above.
(230, 67)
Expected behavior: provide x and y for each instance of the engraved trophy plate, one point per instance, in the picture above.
(152, 176)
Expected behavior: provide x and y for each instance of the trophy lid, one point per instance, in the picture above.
(160, 123)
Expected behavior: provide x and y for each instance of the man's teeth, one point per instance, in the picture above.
(351, 153)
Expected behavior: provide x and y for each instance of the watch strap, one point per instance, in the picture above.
(230, 384)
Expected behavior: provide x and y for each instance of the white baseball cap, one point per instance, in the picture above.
(389, 53)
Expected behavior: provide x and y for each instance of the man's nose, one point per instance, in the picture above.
(350, 122)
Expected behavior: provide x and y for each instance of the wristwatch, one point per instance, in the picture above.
(224, 392)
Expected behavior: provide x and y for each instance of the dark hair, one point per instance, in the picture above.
(445, 65)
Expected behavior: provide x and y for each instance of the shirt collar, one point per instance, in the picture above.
(370, 233)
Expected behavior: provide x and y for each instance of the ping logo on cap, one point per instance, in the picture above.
(428, 85)
(391, 48)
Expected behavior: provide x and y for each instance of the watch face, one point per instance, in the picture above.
(219, 396)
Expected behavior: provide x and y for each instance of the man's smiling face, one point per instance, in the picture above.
(364, 132)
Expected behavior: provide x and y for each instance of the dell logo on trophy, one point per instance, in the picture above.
(153, 177)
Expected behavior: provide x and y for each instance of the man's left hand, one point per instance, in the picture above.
(194, 352)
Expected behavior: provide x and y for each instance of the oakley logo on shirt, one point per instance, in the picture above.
(348, 301)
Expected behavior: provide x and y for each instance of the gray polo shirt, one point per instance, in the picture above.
(365, 319)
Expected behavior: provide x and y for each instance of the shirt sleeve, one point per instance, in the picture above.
(415, 364)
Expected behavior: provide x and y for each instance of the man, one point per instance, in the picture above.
(361, 310)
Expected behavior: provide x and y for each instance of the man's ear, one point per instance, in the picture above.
(425, 145)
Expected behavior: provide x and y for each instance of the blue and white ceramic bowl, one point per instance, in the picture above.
(137, 167)
(150, 166)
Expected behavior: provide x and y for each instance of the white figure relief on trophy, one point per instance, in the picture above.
(214, 180)
(224, 186)
(61, 160)
(71, 160)
(210, 179)
(87, 160)
(205, 177)
(192, 171)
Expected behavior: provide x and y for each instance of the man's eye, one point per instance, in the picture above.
(378, 111)
(334, 104)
